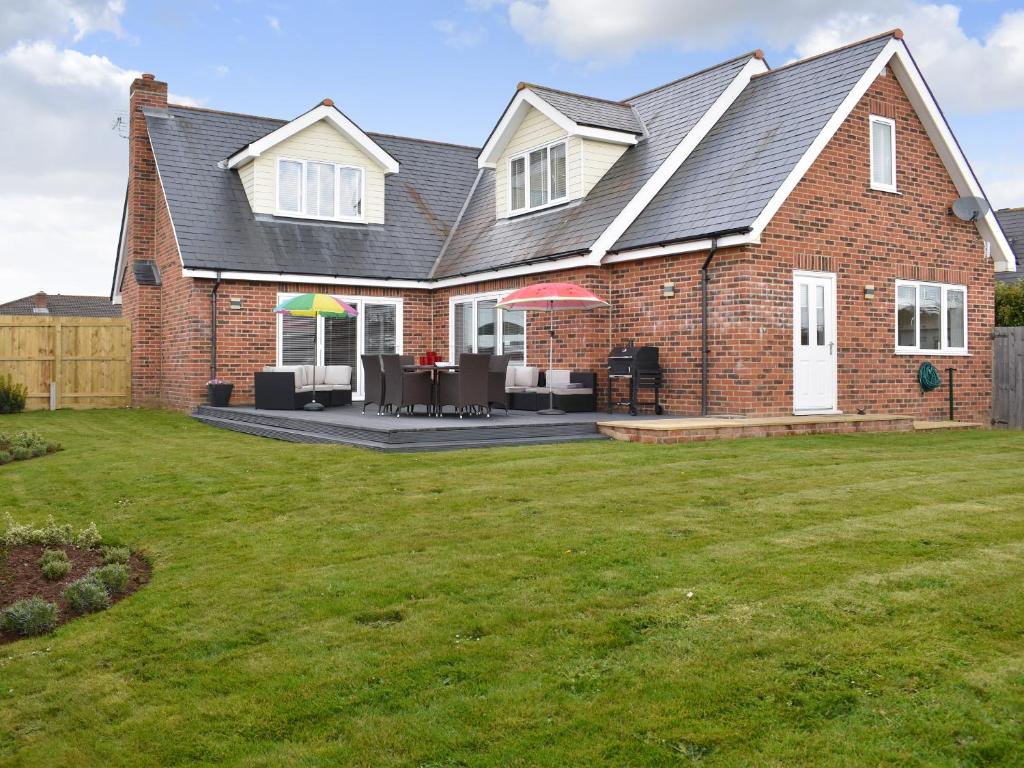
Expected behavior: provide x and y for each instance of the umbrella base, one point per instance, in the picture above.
(551, 412)
(314, 406)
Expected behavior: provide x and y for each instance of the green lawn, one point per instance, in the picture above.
(856, 600)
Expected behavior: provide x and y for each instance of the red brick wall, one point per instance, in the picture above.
(142, 304)
(835, 222)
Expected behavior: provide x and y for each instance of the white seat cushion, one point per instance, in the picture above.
(296, 370)
(556, 377)
(338, 374)
(526, 376)
(572, 390)
(510, 377)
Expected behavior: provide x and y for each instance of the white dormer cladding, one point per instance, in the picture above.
(530, 124)
(321, 136)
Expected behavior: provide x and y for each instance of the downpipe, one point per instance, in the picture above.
(213, 327)
(705, 350)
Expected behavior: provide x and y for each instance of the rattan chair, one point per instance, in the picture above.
(496, 372)
(374, 382)
(466, 390)
(405, 390)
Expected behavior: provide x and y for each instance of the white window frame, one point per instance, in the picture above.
(476, 298)
(888, 121)
(357, 302)
(360, 219)
(525, 157)
(943, 349)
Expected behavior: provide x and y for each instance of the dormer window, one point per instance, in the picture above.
(311, 189)
(537, 178)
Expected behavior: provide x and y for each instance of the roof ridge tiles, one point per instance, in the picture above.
(755, 54)
(576, 94)
(896, 33)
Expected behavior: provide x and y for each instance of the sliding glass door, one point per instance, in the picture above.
(376, 329)
(477, 325)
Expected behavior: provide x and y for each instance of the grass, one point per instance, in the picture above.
(833, 600)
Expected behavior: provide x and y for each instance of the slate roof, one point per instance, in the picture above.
(217, 229)
(591, 111)
(1012, 222)
(436, 227)
(62, 305)
(727, 181)
(481, 242)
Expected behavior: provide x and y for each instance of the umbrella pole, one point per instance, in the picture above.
(315, 405)
(551, 410)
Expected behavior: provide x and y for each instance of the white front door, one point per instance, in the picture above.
(814, 342)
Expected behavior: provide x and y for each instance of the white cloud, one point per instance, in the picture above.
(968, 74)
(222, 70)
(457, 36)
(274, 23)
(26, 20)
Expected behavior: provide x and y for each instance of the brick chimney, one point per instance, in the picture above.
(40, 307)
(141, 304)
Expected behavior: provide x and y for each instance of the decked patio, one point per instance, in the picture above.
(348, 426)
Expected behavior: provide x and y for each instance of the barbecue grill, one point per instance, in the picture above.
(640, 366)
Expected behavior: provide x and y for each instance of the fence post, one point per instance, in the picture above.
(58, 342)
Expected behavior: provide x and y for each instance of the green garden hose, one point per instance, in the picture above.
(928, 377)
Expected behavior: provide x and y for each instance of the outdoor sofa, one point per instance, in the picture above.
(528, 389)
(289, 387)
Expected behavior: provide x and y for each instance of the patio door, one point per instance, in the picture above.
(814, 343)
(377, 329)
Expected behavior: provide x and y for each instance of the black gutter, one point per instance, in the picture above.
(688, 239)
(213, 326)
(704, 349)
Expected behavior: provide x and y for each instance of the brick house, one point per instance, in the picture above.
(798, 216)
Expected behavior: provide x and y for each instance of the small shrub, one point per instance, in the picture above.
(12, 395)
(113, 577)
(55, 570)
(5, 457)
(20, 453)
(113, 554)
(24, 445)
(89, 537)
(1010, 303)
(55, 564)
(86, 595)
(54, 535)
(13, 534)
(34, 616)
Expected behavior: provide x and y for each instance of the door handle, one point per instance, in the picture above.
(831, 344)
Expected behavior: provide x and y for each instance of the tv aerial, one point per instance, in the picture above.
(970, 208)
(119, 124)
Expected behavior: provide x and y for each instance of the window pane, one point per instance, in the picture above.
(298, 340)
(463, 329)
(558, 171)
(350, 199)
(518, 183)
(486, 337)
(320, 189)
(819, 297)
(881, 154)
(380, 329)
(805, 317)
(289, 186)
(513, 335)
(955, 318)
(930, 315)
(538, 177)
(906, 316)
(340, 344)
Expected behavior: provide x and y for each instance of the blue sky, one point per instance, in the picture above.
(440, 70)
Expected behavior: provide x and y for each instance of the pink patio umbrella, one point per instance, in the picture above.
(550, 297)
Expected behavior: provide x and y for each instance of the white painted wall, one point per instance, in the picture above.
(598, 157)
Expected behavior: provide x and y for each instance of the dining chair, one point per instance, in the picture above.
(405, 390)
(373, 384)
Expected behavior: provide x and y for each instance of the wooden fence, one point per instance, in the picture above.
(86, 359)
(1008, 378)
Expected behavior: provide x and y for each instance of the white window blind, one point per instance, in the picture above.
(350, 192)
(298, 340)
(320, 189)
(289, 186)
(517, 183)
(538, 177)
(479, 326)
(557, 171)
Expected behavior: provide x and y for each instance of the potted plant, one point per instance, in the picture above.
(219, 392)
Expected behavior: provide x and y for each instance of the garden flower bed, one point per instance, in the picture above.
(20, 446)
(49, 577)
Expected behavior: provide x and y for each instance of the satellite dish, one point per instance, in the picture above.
(970, 208)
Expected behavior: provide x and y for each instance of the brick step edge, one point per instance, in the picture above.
(733, 431)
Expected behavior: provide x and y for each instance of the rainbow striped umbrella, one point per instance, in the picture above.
(315, 305)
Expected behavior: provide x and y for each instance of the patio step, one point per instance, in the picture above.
(941, 426)
(438, 438)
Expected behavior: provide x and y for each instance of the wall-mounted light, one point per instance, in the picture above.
(869, 291)
(236, 303)
(668, 290)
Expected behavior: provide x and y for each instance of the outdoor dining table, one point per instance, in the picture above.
(435, 372)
